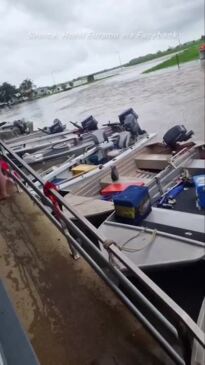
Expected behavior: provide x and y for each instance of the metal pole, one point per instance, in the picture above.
(177, 59)
(160, 233)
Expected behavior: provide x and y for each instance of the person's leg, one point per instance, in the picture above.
(3, 186)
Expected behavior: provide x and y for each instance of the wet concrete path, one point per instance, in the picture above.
(71, 317)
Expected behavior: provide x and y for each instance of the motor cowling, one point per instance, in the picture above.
(21, 125)
(57, 127)
(90, 124)
(176, 134)
(129, 120)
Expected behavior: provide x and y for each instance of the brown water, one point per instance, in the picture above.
(161, 99)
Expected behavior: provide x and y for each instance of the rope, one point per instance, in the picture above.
(132, 250)
(108, 243)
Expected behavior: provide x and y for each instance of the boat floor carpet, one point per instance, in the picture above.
(186, 202)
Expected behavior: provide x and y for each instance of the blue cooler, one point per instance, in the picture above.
(133, 204)
(199, 182)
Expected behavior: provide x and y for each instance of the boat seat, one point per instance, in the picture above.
(99, 136)
(123, 141)
(154, 161)
(82, 169)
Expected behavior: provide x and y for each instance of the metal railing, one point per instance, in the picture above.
(173, 321)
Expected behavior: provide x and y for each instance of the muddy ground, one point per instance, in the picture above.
(71, 316)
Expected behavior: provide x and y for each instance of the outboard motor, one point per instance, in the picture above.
(176, 134)
(129, 120)
(90, 124)
(57, 127)
(21, 125)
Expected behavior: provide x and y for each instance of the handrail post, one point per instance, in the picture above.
(186, 341)
(74, 253)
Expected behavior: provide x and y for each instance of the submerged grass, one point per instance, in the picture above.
(189, 54)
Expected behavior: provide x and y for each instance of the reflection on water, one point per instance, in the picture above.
(161, 99)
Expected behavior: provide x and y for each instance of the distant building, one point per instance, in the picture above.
(42, 91)
(62, 87)
(90, 78)
(80, 81)
(58, 89)
(67, 85)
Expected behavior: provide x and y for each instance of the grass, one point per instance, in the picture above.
(189, 54)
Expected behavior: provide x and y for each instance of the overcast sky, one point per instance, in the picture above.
(52, 41)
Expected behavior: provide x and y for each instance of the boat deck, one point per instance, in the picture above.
(89, 207)
(184, 219)
(186, 225)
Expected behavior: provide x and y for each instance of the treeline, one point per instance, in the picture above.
(152, 56)
(9, 92)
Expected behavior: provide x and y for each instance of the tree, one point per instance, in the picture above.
(26, 87)
(64, 86)
(7, 91)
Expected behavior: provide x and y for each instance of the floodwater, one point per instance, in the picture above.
(161, 99)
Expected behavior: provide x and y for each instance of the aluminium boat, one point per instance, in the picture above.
(168, 241)
(119, 147)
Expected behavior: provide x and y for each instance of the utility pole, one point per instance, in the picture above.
(177, 59)
(177, 56)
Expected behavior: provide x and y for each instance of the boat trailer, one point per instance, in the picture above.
(174, 321)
